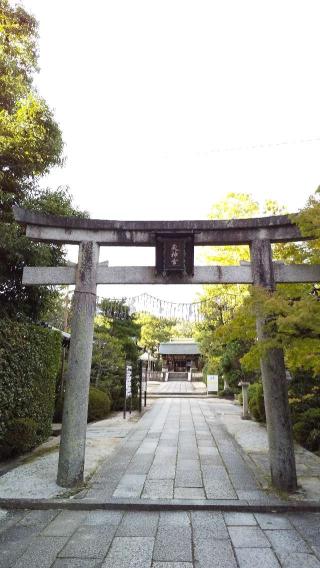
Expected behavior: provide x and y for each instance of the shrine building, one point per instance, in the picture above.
(180, 356)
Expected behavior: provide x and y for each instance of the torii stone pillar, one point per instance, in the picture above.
(281, 447)
(74, 423)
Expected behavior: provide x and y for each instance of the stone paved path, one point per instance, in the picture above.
(199, 539)
(176, 387)
(179, 450)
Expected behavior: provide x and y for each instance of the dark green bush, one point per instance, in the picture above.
(29, 362)
(302, 403)
(307, 429)
(21, 436)
(227, 393)
(99, 405)
(256, 402)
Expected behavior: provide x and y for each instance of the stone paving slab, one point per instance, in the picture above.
(181, 539)
(135, 552)
(172, 565)
(14, 542)
(89, 542)
(76, 563)
(173, 545)
(189, 493)
(287, 541)
(214, 554)
(158, 489)
(42, 553)
(240, 519)
(130, 485)
(207, 525)
(145, 524)
(261, 557)
(65, 523)
(248, 537)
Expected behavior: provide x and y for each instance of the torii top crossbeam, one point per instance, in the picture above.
(72, 230)
(75, 230)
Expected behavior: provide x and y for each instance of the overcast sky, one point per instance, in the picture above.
(165, 106)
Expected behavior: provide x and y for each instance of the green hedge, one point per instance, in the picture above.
(227, 393)
(99, 405)
(29, 362)
(307, 429)
(305, 414)
(256, 402)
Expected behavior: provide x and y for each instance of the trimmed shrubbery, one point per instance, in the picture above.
(305, 410)
(227, 393)
(21, 435)
(99, 405)
(256, 402)
(307, 429)
(29, 362)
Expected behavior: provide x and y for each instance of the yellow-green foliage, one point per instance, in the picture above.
(308, 220)
(29, 362)
(291, 322)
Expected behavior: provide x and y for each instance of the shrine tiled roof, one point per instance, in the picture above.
(186, 347)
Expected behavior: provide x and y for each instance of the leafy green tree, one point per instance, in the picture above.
(227, 334)
(122, 325)
(30, 139)
(154, 331)
(30, 144)
(108, 364)
(116, 335)
(230, 363)
(17, 251)
(308, 220)
(183, 329)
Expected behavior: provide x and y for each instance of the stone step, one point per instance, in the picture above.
(177, 376)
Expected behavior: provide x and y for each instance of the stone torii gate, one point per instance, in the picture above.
(90, 234)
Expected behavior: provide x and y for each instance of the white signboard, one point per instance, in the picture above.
(128, 380)
(212, 383)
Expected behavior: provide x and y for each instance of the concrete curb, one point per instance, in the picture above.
(160, 505)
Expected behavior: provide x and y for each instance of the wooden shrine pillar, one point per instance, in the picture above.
(279, 428)
(75, 410)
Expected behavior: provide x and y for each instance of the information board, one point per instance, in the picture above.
(143, 379)
(128, 380)
(212, 383)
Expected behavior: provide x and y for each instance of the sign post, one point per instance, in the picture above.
(144, 372)
(212, 383)
(127, 388)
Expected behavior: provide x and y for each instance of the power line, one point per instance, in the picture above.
(225, 149)
(263, 145)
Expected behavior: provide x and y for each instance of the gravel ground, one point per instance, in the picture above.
(35, 477)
